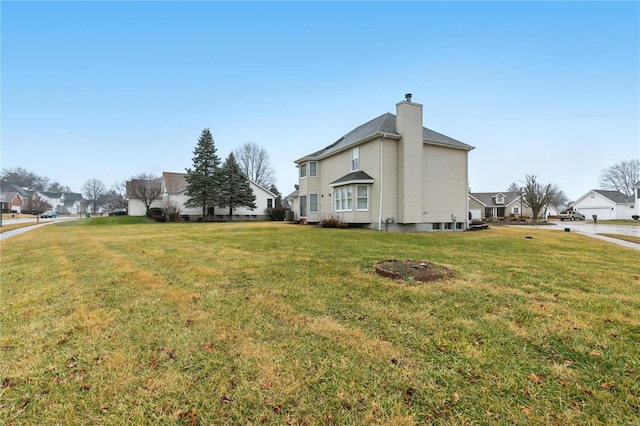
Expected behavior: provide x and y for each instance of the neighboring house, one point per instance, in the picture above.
(497, 204)
(63, 202)
(608, 204)
(12, 201)
(390, 173)
(25, 195)
(292, 201)
(135, 206)
(173, 193)
(489, 205)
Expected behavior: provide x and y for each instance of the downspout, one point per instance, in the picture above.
(466, 190)
(380, 207)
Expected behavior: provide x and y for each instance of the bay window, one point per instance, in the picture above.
(343, 198)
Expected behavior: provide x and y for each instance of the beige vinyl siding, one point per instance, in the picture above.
(409, 124)
(389, 180)
(444, 184)
(312, 185)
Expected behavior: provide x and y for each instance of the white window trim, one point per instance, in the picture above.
(355, 157)
(342, 200)
(303, 167)
(309, 171)
(317, 203)
(367, 198)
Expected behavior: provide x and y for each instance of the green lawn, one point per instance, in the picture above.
(110, 322)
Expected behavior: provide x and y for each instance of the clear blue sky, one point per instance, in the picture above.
(108, 90)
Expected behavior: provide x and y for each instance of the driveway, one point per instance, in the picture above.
(593, 229)
(42, 222)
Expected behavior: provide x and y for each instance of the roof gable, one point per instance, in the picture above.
(489, 198)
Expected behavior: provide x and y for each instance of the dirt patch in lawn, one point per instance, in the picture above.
(415, 270)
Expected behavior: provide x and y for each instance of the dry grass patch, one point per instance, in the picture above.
(268, 323)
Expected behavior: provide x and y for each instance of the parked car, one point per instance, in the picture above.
(118, 212)
(571, 216)
(49, 215)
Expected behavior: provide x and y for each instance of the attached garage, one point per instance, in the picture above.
(606, 204)
(604, 213)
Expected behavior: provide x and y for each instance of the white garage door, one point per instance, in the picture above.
(603, 213)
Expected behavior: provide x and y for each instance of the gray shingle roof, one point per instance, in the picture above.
(174, 182)
(11, 187)
(353, 176)
(488, 198)
(384, 125)
(615, 196)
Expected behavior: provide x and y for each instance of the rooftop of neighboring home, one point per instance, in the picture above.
(489, 198)
(615, 196)
(174, 182)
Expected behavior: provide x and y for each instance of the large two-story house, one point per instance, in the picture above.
(390, 173)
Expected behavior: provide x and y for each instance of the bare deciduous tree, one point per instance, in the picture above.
(38, 206)
(30, 180)
(144, 187)
(119, 191)
(93, 190)
(254, 162)
(514, 187)
(537, 195)
(622, 176)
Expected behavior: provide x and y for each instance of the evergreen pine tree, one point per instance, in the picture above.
(203, 185)
(235, 189)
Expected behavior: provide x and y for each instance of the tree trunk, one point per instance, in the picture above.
(230, 213)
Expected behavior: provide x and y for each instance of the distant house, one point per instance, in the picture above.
(11, 201)
(497, 204)
(136, 206)
(173, 193)
(389, 173)
(63, 202)
(608, 204)
(504, 204)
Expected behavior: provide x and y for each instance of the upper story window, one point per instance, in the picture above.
(500, 199)
(355, 159)
(313, 169)
(303, 171)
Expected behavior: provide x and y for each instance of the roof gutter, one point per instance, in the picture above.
(464, 148)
